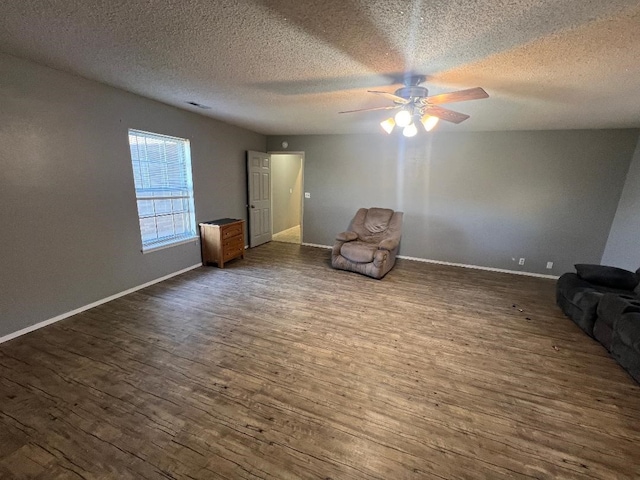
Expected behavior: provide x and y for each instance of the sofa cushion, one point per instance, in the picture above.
(627, 329)
(578, 299)
(610, 309)
(611, 277)
(569, 284)
(627, 356)
(612, 306)
(359, 252)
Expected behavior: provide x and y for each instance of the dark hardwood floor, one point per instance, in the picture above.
(279, 367)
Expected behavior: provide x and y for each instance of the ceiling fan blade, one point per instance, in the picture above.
(445, 114)
(372, 109)
(459, 96)
(390, 96)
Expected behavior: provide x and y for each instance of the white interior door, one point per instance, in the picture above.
(259, 194)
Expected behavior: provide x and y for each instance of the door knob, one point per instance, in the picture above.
(253, 206)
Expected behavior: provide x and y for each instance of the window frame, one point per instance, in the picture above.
(175, 187)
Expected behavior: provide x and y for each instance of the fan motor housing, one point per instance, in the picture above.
(413, 91)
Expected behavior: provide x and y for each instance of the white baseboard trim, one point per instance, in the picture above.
(475, 267)
(44, 323)
(316, 245)
(478, 267)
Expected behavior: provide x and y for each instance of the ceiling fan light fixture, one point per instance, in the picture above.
(403, 118)
(412, 104)
(410, 130)
(429, 122)
(388, 125)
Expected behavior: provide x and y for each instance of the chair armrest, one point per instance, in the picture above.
(388, 244)
(346, 236)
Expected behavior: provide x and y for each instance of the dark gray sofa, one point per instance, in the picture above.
(605, 303)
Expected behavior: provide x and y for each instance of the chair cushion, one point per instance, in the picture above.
(359, 252)
(377, 219)
(612, 277)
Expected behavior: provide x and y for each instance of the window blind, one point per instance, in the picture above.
(164, 188)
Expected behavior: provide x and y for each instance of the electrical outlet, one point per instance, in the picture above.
(521, 261)
(307, 195)
(549, 265)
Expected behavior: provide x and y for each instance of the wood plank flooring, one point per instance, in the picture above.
(279, 367)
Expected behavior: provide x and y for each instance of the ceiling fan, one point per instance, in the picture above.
(415, 105)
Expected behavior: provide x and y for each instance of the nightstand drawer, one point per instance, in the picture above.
(229, 231)
(234, 250)
(233, 243)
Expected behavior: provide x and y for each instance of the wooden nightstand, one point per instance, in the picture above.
(222, 240)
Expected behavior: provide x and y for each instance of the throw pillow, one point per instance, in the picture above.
(611, 277)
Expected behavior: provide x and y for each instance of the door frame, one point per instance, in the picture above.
(288, 152)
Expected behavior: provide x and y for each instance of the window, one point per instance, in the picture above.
(164, 189)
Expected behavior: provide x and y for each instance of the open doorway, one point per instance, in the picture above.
(286, 197)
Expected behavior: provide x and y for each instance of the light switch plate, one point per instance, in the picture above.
(307, 195)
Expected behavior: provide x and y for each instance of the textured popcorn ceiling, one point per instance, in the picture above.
(288, 67)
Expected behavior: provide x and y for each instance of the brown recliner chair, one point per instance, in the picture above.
(371, 244)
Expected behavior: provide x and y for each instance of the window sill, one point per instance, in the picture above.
(162, 246)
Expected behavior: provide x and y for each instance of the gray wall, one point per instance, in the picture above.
(286, 174)
(623, 246)
(70, 233)
(479, 198)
